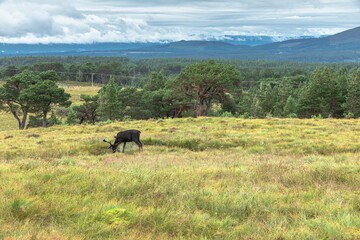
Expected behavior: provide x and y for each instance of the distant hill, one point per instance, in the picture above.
(258, 40)
(65, 49)
(341, 47)
(196, 46)
(347, 40)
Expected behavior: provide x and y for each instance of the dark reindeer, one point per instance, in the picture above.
(124, 137)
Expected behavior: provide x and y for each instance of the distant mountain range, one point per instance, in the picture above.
(109, 48)
(341, 47)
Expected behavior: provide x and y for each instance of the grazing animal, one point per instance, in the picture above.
(124, 137)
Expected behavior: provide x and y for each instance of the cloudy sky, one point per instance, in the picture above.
(80, 21)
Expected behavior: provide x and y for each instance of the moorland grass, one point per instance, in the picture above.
(204, 178)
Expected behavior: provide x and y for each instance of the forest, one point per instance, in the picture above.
(176, 88)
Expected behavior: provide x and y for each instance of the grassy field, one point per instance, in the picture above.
(204, 178)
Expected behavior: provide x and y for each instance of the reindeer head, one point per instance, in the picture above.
(112, 146)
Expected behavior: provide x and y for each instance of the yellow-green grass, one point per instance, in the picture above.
(204, 178)
(9, 122)
(76, 89)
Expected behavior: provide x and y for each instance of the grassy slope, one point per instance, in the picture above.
(203, 178)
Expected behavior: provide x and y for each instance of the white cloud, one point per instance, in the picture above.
(80, 21)
(298, 17)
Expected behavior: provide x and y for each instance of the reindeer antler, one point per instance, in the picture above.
(108, 142)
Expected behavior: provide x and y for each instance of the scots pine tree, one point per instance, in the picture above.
(10, 93)
(352, 104)
(110, 105)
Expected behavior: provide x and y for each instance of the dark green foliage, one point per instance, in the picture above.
(155, 97)
(156, 82)
(207, 81)
(34, 121)
(352, 104)
(10, 71)
(255, 88)
(37, 121)
(49, 66)
(178, 102)
(110, 106)
(266, 98)
(256, 109)
(88, 111)
(27, 92)
(72, 118)
(229, 105)
(290, 107)
(44, 94)
(53, 120)
(49, 75)
(62, 112)
(133, 103)
(11, 92)
(321, 95)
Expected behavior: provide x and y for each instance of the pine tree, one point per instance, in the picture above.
(321, 95)
(207, 81)
(352, 104)
(342, 80)
(304, 102)
(256, 110)
(10, 94)
(43, 95)
(110, 106)
(290, 107)
(88, 111)
(266, 98)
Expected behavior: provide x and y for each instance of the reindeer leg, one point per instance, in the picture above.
(139, 144)
(124, 147)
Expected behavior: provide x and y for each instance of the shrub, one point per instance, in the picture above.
(227, 114)
(349, 115)
(36, 121)
(72, 118)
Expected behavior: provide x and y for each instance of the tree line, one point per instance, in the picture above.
(207, 88)
(127, 72)
(216, 89)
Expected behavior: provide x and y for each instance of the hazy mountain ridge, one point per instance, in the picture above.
(197, 46)
(341, 47)
(7, 49)
(347, 40)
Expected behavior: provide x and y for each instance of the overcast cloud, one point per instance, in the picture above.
(78, 21)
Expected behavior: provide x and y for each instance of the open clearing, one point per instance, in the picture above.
(204, 178)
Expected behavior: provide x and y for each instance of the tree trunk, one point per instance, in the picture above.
(23, 121)
(208, 107)
(93, 118)
(44, 119)
(16, 117)
(200, 112)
